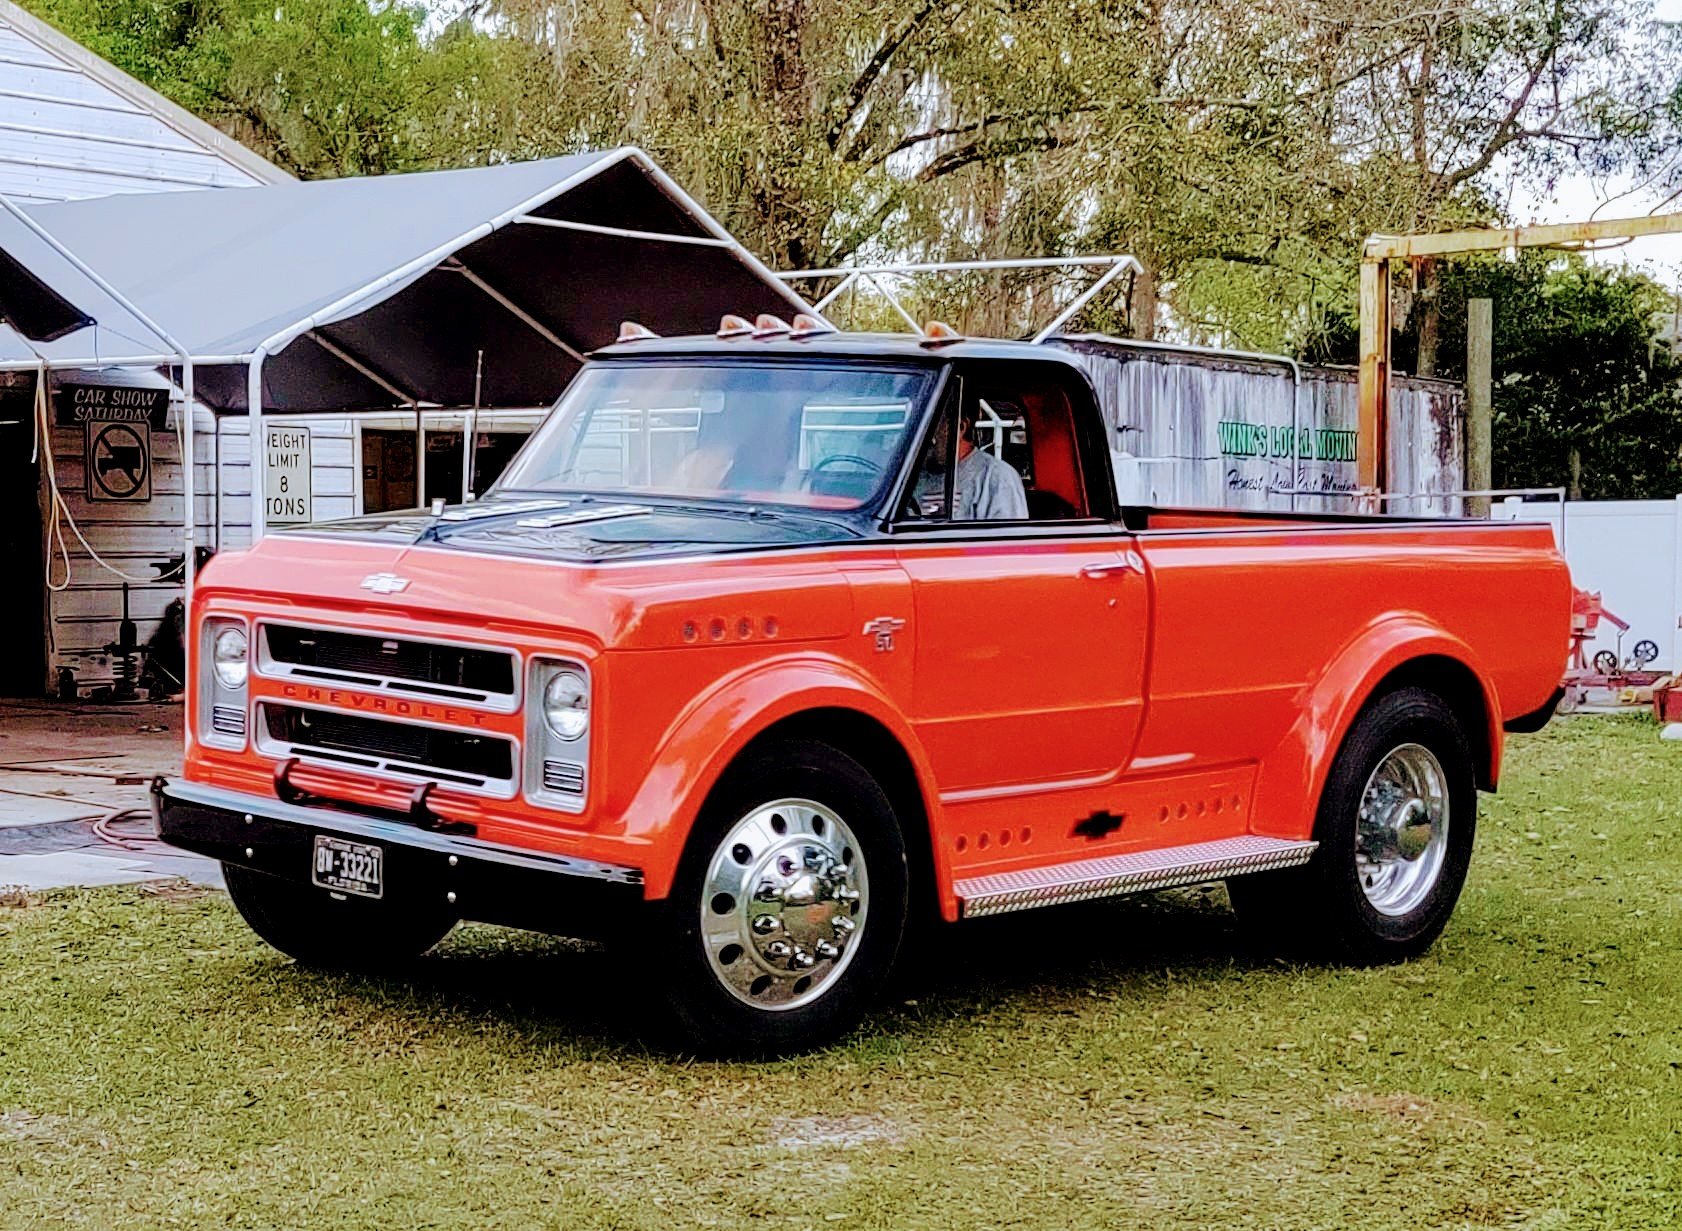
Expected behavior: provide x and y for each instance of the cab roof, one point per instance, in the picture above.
(897, 346)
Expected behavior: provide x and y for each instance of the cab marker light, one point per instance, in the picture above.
(768, 326)
(939, 333)
(806, 326)
(630, 331)
(733, 326)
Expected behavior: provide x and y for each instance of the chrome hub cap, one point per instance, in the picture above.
(1401, 836)
(785, 903)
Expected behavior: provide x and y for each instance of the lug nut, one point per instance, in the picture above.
(844, 925)
(764, 925)
(778, 950)
(804, 960)
(767, 892)
(825, 949)
(785, 865)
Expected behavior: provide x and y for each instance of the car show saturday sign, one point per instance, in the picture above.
(75, 404)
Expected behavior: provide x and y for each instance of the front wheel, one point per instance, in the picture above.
(789, 905)
(317, 929)
(1395, 827)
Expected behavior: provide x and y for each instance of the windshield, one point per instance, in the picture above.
(816, 436)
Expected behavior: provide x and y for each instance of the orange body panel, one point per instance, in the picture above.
(1188, 681)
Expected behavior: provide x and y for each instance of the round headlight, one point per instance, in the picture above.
(566, 704)
(228, 657)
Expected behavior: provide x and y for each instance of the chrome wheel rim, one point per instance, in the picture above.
(785, 904)
(1401, 835)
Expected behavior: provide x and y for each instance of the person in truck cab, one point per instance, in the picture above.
(985, 488)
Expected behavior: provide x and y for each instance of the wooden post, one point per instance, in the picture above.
(1372, 439)
(1480, 364)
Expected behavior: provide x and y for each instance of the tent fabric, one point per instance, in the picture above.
(50, 309)
(384, 291)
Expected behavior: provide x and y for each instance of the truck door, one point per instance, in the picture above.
(1031, 604)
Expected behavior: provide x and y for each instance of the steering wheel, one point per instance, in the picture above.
(863, 463)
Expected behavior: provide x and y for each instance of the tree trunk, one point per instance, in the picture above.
(1430, 318)
(1574, 459)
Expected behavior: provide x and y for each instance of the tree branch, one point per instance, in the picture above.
(875, 67)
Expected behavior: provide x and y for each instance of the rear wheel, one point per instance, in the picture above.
(1395, 826)
(789, 905)
(317, 929)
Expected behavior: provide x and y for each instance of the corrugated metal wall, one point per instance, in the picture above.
(1216, 431)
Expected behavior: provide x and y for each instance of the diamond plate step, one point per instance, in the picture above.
(1136, 872)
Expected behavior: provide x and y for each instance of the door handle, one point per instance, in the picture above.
(1130, 562)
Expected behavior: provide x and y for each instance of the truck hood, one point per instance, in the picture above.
(526, 566)
(586, 529)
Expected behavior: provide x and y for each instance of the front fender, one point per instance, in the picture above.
(714, 729)
(1288, 792)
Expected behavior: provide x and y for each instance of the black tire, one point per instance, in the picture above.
(316, 929)
(1321, 909)
(710, 1018)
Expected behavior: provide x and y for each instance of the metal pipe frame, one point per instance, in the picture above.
(1114, 265)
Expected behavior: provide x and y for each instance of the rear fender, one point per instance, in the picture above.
(715, 728)
(1288, 792)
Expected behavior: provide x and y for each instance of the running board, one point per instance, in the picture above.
(1136, 872)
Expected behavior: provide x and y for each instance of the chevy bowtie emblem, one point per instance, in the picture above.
(883, 628)
(385, 583)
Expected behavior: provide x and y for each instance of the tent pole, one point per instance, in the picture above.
(420, 457)
(259, 455)
(470, 429)
(189, 496)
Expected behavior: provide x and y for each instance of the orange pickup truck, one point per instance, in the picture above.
(782, 645)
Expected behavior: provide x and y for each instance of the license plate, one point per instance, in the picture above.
(348, 867)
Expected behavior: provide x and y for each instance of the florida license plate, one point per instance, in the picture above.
(348, 867)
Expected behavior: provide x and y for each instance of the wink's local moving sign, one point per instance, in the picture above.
(1261, 457)
(287, 496)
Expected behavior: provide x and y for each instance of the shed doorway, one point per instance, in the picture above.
(23, 623)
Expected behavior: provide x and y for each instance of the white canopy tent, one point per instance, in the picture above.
(483, 286)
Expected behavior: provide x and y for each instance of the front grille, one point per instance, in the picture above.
(391, 664)
(228, 720)
(563, 777)
(376, 743)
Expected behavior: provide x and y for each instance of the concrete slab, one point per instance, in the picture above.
(73, 804)
(60, 762)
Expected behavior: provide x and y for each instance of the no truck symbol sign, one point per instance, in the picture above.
(119, 460)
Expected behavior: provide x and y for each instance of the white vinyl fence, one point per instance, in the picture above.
(1630, 551)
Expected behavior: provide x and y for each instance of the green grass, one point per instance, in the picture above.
(1123, 1064)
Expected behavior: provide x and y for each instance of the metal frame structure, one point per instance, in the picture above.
(1113, 264)
(442, 255)
(1380, 250)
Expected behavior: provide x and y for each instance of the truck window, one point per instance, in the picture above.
(820, 436)
(1012, 457)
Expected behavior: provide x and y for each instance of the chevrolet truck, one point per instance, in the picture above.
(717, 663)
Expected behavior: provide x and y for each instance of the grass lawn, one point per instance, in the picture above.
(1119, 1064)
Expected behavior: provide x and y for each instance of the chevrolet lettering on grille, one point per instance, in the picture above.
(419, 711)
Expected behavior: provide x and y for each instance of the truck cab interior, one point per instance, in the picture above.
(1025, 415)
